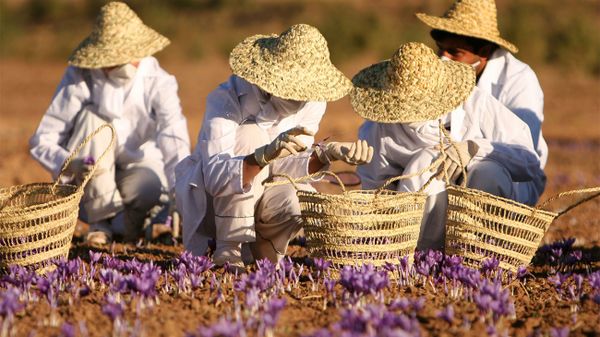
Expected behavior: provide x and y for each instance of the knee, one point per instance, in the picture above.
(491, 177)
(279, 204)
(143, 191)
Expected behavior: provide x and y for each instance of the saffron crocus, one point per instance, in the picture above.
(447, 314)
(559, 332)
(223, 328)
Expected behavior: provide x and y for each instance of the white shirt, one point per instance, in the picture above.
(214, 168)
(515, 85)
(501, 137)
(150, 126)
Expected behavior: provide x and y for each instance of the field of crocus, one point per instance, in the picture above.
(159, 290)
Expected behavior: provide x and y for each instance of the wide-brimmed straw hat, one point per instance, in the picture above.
(415, 85)
(294, 65)
(474, 18)
(119, 36)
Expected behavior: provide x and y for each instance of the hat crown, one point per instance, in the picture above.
(480, 14)
(116, 19)
(300, 43)
(414, 67)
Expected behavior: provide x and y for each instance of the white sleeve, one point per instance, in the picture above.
(507, 139)
(375, 173)
(297, 166)
(46, 144)
(222, 170)
(526, 99)
(172, 134)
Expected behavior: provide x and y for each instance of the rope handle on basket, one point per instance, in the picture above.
(593, 191)
(433, 165)
(84, 142)
(444, 134)
(294, 182)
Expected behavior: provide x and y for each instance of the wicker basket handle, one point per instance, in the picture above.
(294, 182)
(444, 135)
(78, 149)
(583, 195)
(433, 165)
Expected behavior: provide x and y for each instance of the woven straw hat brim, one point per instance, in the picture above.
(373, 101)
(292, 79)
(92, 53)
(456, 27)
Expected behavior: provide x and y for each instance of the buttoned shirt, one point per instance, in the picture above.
(515, 85)
(500, 135)
(151, 125)
(214, 167)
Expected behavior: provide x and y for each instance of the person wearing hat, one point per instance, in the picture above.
(407, 100)
(468, 33)
(261, 122)
(112, 78)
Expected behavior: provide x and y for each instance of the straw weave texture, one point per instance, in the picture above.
(413, 86)
(37, 220)
(118, 37)
(361, 226)
(474, 18)
(294, 65)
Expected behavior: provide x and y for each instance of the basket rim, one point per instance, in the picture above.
(479, 193)
(48, 204)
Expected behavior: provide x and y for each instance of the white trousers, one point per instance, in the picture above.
(135, 190)
(265, 218)
(485, 175)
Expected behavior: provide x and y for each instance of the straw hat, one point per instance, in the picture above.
(118, 37)
(474, 18)
(413, 86)
(294, 65)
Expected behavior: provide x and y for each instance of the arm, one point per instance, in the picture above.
(307, 162)
(525, 98)
(172, 134)
(46, 145)
(507, 139)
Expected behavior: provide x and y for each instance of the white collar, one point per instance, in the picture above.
(493, 69)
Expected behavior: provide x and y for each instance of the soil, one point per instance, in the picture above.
(572, 129)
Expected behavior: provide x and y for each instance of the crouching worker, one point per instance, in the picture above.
(406, 98)
(112, 78)
(259, 123)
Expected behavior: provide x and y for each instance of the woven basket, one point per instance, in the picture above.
(37, 220)
(481, 225)
(361, 226)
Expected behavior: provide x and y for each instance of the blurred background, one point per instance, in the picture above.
(559, 39)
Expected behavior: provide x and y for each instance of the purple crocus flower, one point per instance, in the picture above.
(559, 332)
(10, 303)
(113, 308)
(447, 314)
(223, 328)
(67, 330)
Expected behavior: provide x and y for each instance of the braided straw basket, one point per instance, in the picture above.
(37, 220)
(481, 225)
(360, 226)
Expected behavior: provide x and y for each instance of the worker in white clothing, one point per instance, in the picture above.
(112, 78)
(406, 98)
(468, 33)
(259, 123)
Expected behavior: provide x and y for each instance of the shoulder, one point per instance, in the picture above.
(517, 70)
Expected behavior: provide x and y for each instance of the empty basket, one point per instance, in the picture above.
(361, 226)
(37, 220)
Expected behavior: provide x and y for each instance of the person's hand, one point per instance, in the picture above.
(79, 168)
(284, 145)
(458, 157)
(353, 153)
